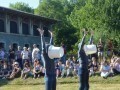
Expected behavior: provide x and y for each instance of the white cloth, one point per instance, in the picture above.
(24, 54)
(35, 53)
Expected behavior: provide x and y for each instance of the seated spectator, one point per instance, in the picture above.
(64, 71)
(69, 66)
(75, 70)
(16, 72)
(116, 66)
(105, 69)
(58, 68)
(37, 70)
(26, 71)
(93, 66)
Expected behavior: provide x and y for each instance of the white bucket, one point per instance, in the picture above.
(90, 49)
(55, 52)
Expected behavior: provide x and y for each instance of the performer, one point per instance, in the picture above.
(49, 65)
(83, 60)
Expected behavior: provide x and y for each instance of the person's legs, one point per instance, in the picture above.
(48, 83)
(53, 82)
(115, 71)
(86, 80)
(82, 81)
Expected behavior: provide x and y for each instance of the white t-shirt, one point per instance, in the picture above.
(24, 54)
(35, 53)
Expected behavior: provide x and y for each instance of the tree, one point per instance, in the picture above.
(22, 7)
(103, 16)
(59, 9)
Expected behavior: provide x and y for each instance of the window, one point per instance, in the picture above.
(27, 45)
(35, 31)
(2, 27)
(15, 45)
(46, 33)
(13, 27)
(25, 28)
(2, 45)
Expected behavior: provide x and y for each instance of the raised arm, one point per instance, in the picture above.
(51, 37)
(42, 38)
(91, 38)
(81, 44)
(42, 46)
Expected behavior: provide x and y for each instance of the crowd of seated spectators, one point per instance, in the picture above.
(26, 63)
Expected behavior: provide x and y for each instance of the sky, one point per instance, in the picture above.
(32, 3)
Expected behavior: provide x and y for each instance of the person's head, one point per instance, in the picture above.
(16, 64)
(59, 62)
(25, 48)
(34, 45)
(10, 47)
(35, 61)
(26, 64)
(93, 59)
(29, 49)
(118, 60)
(105, 63)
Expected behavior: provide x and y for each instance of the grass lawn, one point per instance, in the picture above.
(96, 83)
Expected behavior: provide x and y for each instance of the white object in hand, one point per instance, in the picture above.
(55, 52)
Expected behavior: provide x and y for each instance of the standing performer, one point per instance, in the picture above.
(83, 60)
(49, 65)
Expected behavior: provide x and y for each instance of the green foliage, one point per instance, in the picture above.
(102, 16)
(22, 6)
(59, 9)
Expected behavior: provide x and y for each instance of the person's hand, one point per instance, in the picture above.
(50, 32)
(40, 31)
(84, 32)
(92, 32)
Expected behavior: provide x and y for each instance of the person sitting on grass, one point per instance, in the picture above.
(26, 71)
(16, 72)
(93, 67)
(69, 65)
(105, 69)
(37, 70)
(115, 64)
(58, 68)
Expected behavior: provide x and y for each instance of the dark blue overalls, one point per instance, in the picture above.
(83, 68)
(49, 65)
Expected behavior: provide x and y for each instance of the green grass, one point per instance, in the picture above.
(96, 83)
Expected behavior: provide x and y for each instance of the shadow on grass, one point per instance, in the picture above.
(3, 82)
